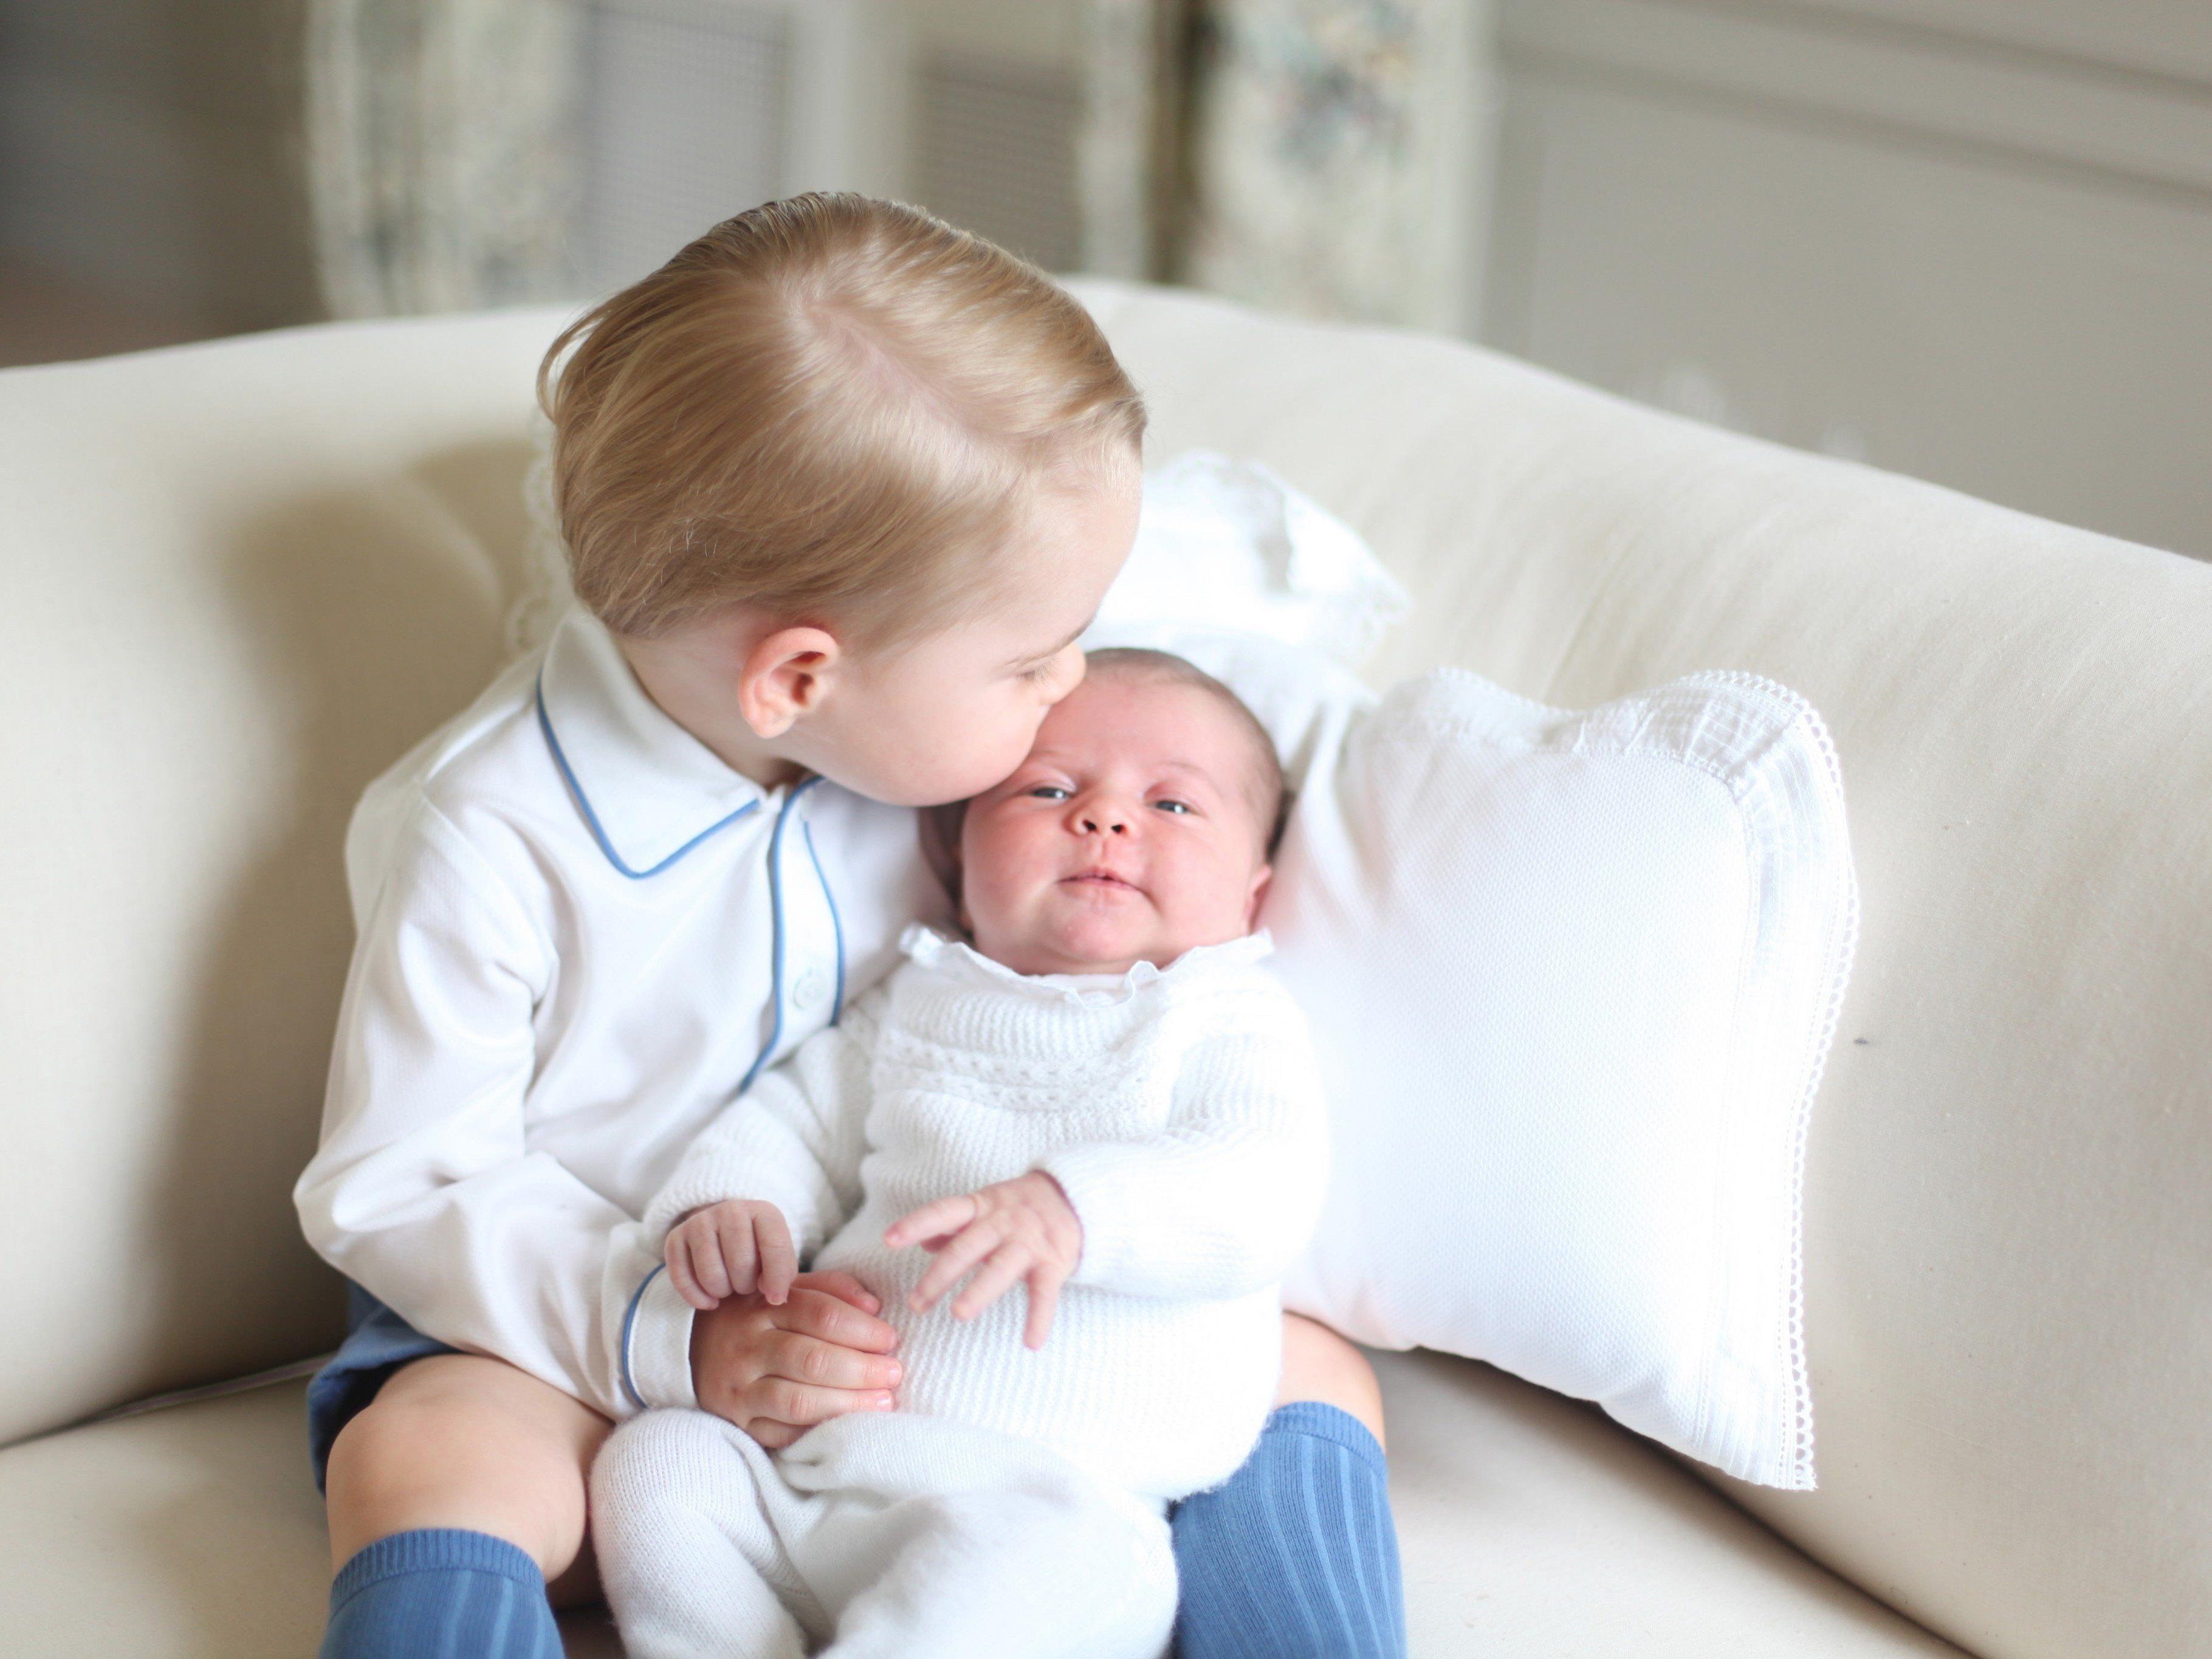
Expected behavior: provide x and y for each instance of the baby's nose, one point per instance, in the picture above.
(1104, 824)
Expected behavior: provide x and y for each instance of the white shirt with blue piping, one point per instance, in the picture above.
(579, 935)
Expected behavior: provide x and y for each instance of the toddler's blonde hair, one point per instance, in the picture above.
(834, 408)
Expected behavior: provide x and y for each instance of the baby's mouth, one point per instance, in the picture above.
(1099, 876)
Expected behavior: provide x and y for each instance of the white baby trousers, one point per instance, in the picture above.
(916, 1537)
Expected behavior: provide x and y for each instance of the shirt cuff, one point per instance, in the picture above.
(656, 1345)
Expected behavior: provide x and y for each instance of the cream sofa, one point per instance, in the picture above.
(240, 578)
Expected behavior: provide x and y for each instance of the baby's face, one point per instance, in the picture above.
(1130, 833)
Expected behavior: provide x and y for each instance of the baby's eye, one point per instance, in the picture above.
(1047, 792)
(1041, 672)
(1172, 805)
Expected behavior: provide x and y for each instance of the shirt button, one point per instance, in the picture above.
(810, 990)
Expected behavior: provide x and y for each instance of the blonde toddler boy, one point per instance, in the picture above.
(838, 486)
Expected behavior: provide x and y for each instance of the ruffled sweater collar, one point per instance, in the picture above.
(960, 961)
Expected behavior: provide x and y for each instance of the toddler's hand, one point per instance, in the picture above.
(775, 1372)
(1023, 1229)
(731, 1249)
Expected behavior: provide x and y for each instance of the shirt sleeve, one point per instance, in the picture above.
(795, 1140)
(1220, 1203)
(423, 1191)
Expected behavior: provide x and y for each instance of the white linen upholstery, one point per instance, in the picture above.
(240, 578)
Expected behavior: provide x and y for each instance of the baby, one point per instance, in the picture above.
(1105, 1099)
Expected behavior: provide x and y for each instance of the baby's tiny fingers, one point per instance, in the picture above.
(705, 1253)
(679, 1275)
(940, 1218)
(734, 1257)
(953, 1261)
(779, 1261)
(997, 1277)
(1044, 1298)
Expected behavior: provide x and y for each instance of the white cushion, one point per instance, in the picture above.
(1226, 542)
(1572, 978)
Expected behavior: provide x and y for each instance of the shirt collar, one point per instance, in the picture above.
(648, 790)
(931, 949)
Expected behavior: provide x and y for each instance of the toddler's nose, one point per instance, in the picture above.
(1104, 824)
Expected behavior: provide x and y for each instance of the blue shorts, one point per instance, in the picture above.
(377, 1343)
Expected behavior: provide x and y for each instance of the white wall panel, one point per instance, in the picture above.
(2154, 37)
(1985, 270)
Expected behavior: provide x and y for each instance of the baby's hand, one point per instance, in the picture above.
(731, 1249)
(1022, 1228)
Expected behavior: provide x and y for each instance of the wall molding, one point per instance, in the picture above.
(2010, 100)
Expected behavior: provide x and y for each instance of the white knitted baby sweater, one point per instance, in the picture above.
(1180, 1110)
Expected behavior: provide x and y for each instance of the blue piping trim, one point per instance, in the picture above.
(629, 1323)
(776, 911)
(836, 925)
(592, 819)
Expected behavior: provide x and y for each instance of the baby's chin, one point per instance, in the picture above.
(1085, 943)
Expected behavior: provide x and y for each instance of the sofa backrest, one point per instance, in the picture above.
(2008, 1222)
(241, 578)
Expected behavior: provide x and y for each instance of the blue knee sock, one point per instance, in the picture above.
(440, 1594)
(1294, 1557)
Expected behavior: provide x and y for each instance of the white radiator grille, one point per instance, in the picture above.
(686, 124)
(996, 154)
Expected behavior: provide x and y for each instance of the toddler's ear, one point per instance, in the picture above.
(785, 675)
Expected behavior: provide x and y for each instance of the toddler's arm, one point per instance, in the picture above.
(423, 1190)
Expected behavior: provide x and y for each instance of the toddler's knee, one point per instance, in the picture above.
(1320, 1365)
(432, 1454)
(394, 1441)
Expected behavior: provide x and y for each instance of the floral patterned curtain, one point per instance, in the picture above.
(1130, 146)
(441, 163)
(1336, 159)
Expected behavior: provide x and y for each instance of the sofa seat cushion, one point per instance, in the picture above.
(191, 1530)
(1529, 1525)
